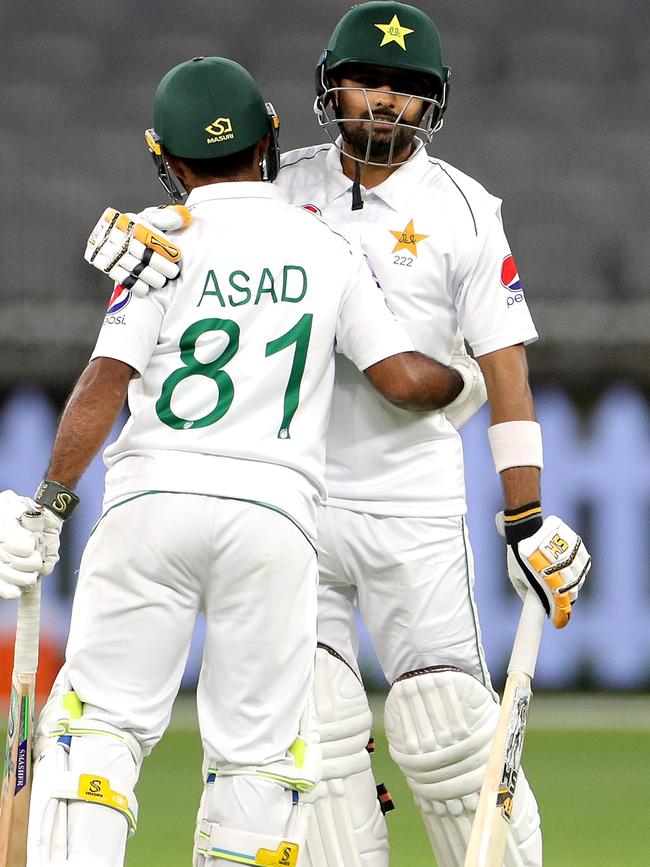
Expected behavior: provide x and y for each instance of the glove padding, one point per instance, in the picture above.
(21, 560)
(132, 252)
(49, 547)
(554, 562)
(474, 393)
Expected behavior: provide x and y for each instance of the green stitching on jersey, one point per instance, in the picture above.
(260, 503)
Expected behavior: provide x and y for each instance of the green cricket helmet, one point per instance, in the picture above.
(206, 108)
(388, 35)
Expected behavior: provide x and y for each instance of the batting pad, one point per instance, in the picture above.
(213, 841)
(439, 723)
(346, 826)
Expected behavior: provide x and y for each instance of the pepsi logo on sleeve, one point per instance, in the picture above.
(119, 299)
(510, 275)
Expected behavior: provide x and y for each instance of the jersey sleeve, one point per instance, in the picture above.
(130, 333)
(490, 303)
(367, 330)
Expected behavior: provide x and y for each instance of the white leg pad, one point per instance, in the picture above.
(233, 805)
(217, 844)
(439, 723)
(81, 764)
(266, 798)
(347, 826)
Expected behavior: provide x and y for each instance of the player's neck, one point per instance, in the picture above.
(369, 176)
(194, 182)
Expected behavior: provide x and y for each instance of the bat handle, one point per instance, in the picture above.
(29, 610)
(529, 634)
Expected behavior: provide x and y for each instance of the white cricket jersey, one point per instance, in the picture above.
(236, 356)
(435, 242)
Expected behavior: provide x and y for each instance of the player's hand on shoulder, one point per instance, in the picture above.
(553, 560)
(21, 560)
(474, 393)
(133, 250)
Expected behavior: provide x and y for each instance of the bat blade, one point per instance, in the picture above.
(16, 779)
(488, 840)
(490, 828)
(17, 774)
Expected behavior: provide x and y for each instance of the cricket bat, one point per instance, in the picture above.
(487, 843)
(17, 775)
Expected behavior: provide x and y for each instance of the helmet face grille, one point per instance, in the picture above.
(369, 148)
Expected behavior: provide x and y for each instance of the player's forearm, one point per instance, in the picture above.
(510, 399)
(414, 381)
(89, 415)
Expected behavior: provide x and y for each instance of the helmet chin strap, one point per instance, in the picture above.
(357, 198)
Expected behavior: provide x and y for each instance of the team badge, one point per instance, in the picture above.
(119, 299)
(510, 275)
(407, 239)
(313, 210)
(394, 32)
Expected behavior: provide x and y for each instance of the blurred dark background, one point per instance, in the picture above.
(548, 109)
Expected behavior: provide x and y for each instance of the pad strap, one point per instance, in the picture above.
(95, 789)
(244, 847)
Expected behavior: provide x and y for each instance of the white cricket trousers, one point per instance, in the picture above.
(151, 565)
(413, 582)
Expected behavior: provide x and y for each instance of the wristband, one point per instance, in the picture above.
(516, 444)
(522, 522)
(59, 499)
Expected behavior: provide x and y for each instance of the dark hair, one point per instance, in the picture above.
(221, 167)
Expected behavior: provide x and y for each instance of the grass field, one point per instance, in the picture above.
(587, 759)
(591, 776)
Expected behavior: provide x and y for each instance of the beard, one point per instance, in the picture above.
(357, 132)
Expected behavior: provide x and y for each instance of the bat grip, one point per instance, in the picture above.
(29, 611)
(529, 634)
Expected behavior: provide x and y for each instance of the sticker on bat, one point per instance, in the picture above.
(22, 766)
(514, 748)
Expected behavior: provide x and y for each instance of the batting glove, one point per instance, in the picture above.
(546, 555)
(474, 393)
(21, 561)
(51, 541)
(132, 252)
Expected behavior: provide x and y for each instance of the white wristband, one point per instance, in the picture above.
(516, 444)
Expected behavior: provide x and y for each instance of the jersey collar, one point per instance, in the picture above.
(395, 191)
(233, 190)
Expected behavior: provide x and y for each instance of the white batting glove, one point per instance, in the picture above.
(553, 560)
(474, 393)
(51, 540)
(21, 561)
(128, 248)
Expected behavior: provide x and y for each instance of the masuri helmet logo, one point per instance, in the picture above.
(220, 129)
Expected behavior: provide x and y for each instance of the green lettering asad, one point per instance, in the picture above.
(266, 285)
(211, 281)
(294, 287)
(294, 283)
(239, 287)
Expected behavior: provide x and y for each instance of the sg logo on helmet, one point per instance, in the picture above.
(220, 130)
